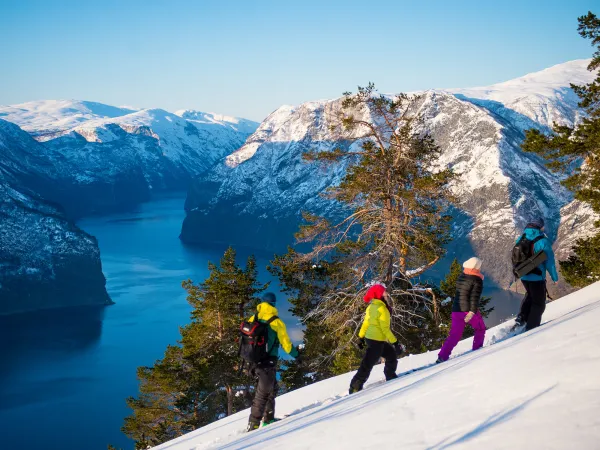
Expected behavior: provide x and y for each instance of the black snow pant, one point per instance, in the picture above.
(263, 405)
(533, 305)
(375, 351)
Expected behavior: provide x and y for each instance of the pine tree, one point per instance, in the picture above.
(448, 284)
(578, 146)
(305, 284)
(393, 226)
(199, 380)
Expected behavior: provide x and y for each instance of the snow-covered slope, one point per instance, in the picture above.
(535, 100)
(255, 194)
(46, 261)
(538, 390)
(111, 157)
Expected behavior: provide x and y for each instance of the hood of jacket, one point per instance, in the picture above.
(266, 311)
(532, 233)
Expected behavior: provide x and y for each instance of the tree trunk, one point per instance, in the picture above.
(229, 390)
(220, 325)
(436, 311)
(197, 415)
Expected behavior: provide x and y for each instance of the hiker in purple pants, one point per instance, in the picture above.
(465, 309)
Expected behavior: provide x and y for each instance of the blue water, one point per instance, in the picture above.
(66, 373)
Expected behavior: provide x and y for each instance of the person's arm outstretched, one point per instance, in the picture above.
(285, 341)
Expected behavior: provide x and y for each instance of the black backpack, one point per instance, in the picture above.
(524, 259)
(253, 340)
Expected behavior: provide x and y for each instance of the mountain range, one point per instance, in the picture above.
(266, 184)
(110, 158)
(248, 183)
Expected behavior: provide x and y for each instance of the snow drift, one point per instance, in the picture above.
(539, 389)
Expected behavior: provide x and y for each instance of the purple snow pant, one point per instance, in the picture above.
(456, 332)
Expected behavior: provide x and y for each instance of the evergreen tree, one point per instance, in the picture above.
(578, 146)
(448, 284)
(200, 380)
(393, 227)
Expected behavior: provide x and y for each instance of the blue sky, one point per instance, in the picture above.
(248, 57)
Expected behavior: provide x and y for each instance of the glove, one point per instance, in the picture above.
(469, 316)
(299, 353)
(399, 348)
(361, 343)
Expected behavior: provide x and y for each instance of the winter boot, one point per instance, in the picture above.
(354, 388)
(252, 426)
(519, 322)
(440, 360)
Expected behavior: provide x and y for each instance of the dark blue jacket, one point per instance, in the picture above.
(543, 244)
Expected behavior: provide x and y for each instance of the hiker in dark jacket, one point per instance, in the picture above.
(465, 309)
(534, 302)
(263, 405)
(376, 333)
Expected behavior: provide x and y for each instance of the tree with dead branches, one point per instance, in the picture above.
(394, 224)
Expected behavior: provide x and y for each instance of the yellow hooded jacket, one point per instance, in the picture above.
(277, 332)
(376, 325)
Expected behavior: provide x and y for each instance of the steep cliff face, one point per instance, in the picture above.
(46, 261)
(108, 158)
(265, 184)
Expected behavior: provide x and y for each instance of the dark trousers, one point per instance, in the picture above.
(375, 351)
(263, 406)
(534, 304)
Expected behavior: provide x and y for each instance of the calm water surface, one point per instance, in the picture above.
(66, 373)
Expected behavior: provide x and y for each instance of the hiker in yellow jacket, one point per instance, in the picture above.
(381, 342)
(263, 405)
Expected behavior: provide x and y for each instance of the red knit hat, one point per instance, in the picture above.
(375, 292)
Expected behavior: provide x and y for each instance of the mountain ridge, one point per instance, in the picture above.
(110, 158)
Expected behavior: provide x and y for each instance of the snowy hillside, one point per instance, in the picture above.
(109, 158)
(266, 183)
(537, 390)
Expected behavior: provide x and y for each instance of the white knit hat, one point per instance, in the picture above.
(473, 263)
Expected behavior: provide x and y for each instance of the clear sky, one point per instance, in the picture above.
(248, 57)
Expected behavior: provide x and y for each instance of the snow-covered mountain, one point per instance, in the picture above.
(536, 100)
(46, 261)
(236, 123)
(108, 157)
(46, 118)
(535, 390)
(254, 196)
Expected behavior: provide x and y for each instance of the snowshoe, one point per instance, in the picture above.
(269, 422)
(440, 360)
